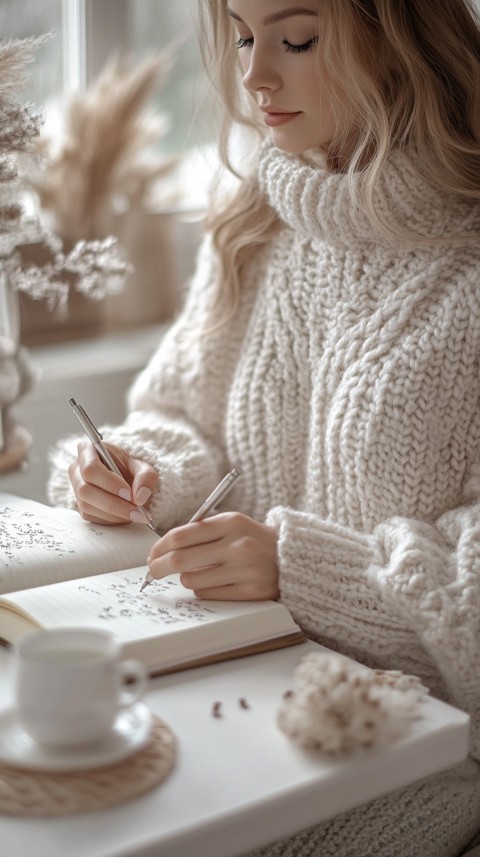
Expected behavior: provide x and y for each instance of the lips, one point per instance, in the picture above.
(274, 117)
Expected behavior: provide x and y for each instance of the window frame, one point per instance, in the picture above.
(91, 31)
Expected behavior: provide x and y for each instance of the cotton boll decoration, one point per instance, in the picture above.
(337, 705)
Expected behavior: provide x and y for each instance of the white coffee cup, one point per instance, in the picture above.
(71, 683)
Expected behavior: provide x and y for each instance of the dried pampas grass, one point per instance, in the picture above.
(15, 56)
(102, 165)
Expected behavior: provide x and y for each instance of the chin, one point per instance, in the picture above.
(294, 146)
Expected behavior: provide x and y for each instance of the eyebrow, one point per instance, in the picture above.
(277, 16)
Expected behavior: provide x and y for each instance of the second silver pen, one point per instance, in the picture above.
(213, 499)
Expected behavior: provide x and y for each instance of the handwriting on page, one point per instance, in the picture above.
(121, 599)
(26, 531)
(44, 544)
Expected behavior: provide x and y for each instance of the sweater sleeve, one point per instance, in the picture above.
(409, 590)
(175, 409)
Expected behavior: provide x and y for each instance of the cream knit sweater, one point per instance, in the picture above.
(347, 387)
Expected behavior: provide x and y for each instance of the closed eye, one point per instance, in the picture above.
(300, 49)
(289, 48)
(244, 43)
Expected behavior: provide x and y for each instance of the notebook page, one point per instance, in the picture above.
(114, 602)
(40, 544)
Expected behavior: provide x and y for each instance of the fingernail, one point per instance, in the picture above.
(125, 494)
(143, 495)
(137, 517)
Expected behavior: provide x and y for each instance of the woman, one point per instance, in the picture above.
(330, 347)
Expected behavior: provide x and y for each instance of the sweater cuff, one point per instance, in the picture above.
(323, 579)
(187, 473)
(59, 487)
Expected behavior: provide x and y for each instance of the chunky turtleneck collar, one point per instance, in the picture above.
(325, 205)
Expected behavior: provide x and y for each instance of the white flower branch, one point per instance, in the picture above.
(94, 268)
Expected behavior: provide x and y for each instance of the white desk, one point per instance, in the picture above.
(238, 783)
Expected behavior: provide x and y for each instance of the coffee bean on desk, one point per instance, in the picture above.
(216, 709)
(243, 702)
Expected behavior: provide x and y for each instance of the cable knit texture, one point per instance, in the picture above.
(347, 387)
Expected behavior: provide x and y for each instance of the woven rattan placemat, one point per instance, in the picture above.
(41, 794)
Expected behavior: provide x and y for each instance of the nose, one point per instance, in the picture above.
(260, 73)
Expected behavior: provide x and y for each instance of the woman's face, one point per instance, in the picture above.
(277, 43)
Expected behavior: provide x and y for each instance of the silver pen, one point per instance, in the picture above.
(212, 500)
(93, 433)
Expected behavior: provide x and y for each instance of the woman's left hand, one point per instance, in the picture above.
(227, 557)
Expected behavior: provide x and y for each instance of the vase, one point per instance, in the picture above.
(9, 312)
(15, 374)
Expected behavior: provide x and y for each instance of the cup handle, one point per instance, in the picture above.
(135, 674)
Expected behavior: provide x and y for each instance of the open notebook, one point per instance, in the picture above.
(165, 626)
(79, 575)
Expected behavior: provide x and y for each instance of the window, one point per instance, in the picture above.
(161, 247)
(23, 18)
(87, 32)
(152, 25)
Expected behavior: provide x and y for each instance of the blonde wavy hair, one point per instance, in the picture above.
(421, 93)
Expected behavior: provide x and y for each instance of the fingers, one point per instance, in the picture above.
(219, 585)
(227, 593)
(103, 496)
(247, 583)
(228, 556)
(184, 548)
(100, 506)
(202, 532)
(92, 471)
(144, 482)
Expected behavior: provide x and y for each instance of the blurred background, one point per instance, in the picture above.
(85, 35)
(87, 32)
(152, 201)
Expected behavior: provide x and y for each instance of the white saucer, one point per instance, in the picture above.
(129, 733)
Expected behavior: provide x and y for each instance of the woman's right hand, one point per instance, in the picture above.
(102, 496)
